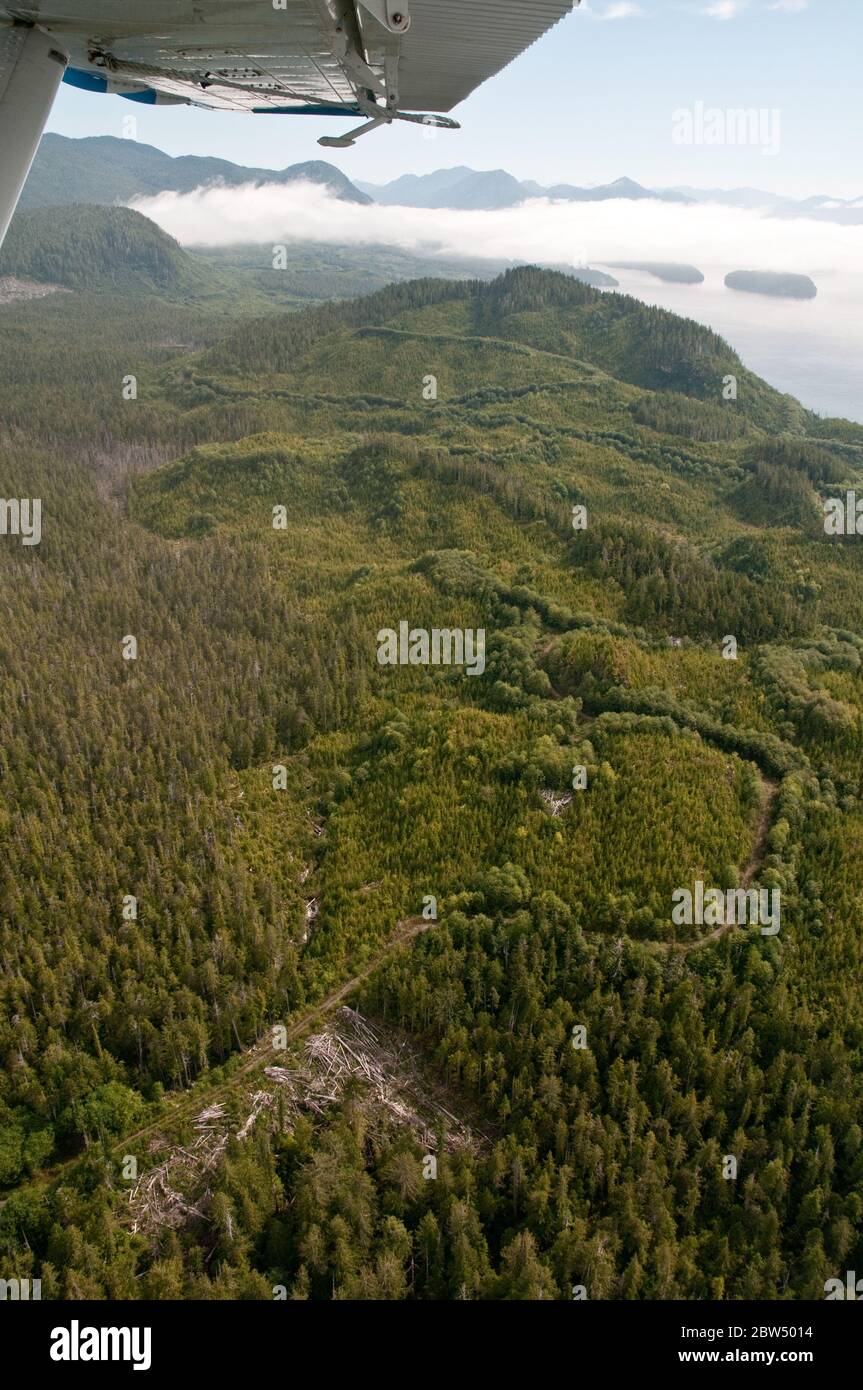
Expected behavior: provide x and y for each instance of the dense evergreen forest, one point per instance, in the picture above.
(221, 835)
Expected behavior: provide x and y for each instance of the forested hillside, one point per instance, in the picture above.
(219, 835)
(105, 169)
(98, 251)
(114, 249)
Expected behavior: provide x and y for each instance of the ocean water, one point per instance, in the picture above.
(812, 348)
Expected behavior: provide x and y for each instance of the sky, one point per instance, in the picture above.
(620, 87)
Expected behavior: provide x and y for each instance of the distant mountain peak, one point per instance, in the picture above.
(496, 188)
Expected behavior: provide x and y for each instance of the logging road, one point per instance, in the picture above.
(406, 930)
(262, 1051)
(756, 859)
(180, 1104)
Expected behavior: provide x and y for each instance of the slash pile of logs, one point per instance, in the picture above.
(351, 1049)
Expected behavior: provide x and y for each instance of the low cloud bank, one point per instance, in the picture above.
(714, 238)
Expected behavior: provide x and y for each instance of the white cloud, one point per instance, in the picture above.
(714, 238)
(620, 9)
(790, 6)
(724, 9)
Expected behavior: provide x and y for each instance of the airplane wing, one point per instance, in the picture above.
(382, 60)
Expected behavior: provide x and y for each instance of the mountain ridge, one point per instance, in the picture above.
(107, 170)
(461, 187)
(471, 189)
(109, 248)
(104, 169)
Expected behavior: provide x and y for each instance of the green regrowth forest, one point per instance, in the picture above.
(243, 824)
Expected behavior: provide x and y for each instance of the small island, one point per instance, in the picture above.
(597, 278)
(781, 284)
(671, 271)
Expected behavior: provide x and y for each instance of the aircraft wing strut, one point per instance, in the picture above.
(380, 60)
